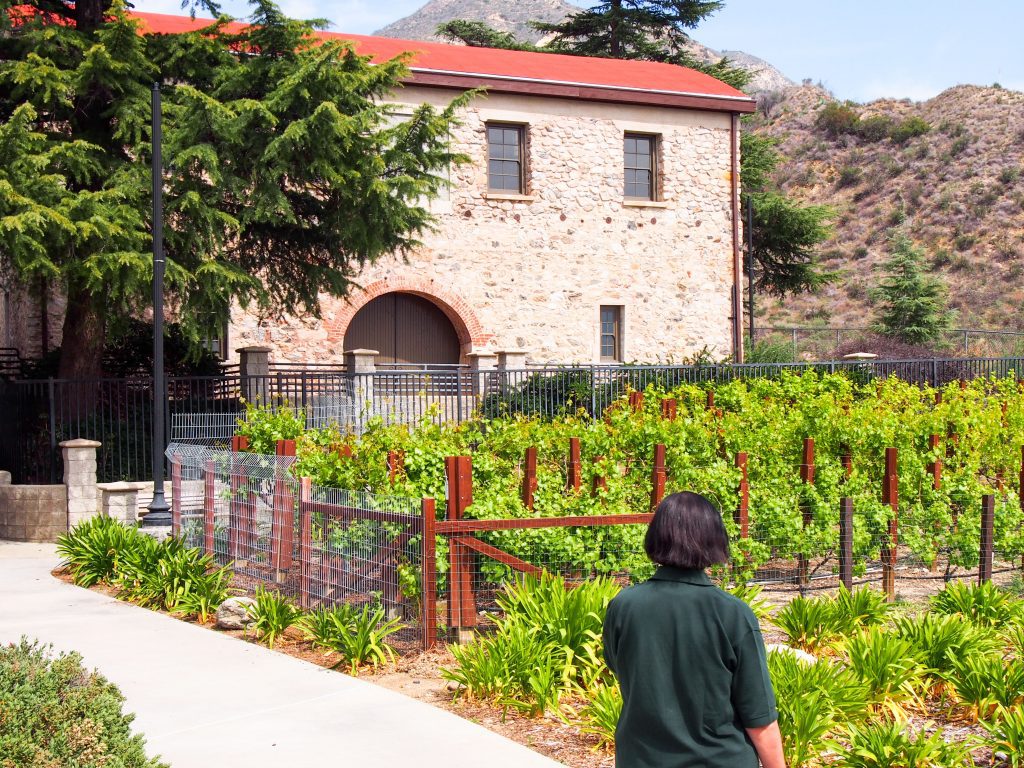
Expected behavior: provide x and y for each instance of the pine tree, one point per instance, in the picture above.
(786, 234)
(911, 304)
(285, 172)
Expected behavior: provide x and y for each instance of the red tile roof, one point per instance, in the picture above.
(439, 64)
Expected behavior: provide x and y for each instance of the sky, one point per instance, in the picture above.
(858, 50)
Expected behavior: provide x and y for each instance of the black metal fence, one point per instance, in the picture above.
(36, 415)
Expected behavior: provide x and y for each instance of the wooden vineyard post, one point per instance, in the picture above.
(529, 476)
(282, 539)
(636, 401)
(742, 514)
(658, 476)
(846, 460)
(710, 402)
(938, 397)
(429, 575)
(846, 542)
(396, 465)
(176, 495)
(573, 470)
(236, 512)
(668, 409)
(305, 540)
(952, 438)
(988, 509)
(890, 496)
(209, 506)
(600, 483)
(807, 478)
(461, 602)
(934, 468)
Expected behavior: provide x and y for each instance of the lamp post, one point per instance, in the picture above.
(159, 511)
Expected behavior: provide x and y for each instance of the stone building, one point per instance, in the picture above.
(597, 221)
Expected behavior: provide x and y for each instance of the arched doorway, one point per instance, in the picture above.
(404, 328)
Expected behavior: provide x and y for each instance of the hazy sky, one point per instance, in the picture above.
(860, 51)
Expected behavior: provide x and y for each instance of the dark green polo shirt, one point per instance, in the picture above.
(691, 664)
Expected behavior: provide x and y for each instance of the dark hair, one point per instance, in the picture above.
(687, 532)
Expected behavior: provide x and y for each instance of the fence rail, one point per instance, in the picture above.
(36, 415)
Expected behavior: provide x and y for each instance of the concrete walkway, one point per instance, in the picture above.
(206, 700)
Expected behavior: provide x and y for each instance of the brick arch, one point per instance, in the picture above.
(467, 327)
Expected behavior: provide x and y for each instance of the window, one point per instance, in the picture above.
(640, 164)
(505, 158)
(611, 334)
(217, 342)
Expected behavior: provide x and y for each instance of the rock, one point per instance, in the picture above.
(802, 655)
(233, 613)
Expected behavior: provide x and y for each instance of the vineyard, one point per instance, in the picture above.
(782, 458)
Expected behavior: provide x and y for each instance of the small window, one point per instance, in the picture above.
(217, 343)
(611, 334)
(505, 158)
(640, 163)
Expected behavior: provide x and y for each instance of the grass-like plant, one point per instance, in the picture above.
(984, 604)
(271, 615)
(94, 548)
(881, 744)
(886, 663)
(751, 595)
(985, 683)
(358, 634)
(812, 699)
(864, 607)
(601, 714)
(938, 641)
(809, 623)
(1006, 734)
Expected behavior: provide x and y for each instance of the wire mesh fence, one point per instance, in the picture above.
(318, 546)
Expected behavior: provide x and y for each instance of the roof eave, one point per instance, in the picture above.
(582, 91)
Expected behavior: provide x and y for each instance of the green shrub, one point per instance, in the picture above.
(837, 119)
(864, 607)
(93, 548)
(768, 351)
(357, 634)
(751, 595)
(849, 175)
(54, 713)
(1006, 734)
(874, 128)
(909, 128)
(892, 745)
(984, 683)
(937, 641)
(271, 615)
(985, 605)
(601, 714)
(885, 662)
(808, 623)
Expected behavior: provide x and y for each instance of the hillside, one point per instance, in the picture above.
(957, 190)
(514, 16)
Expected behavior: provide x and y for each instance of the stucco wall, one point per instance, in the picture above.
(531, 274)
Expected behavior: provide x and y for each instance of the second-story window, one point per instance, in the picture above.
(640, 164)
(505, 155)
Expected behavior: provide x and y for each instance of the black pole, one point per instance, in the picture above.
(750, 262)
(159, 511)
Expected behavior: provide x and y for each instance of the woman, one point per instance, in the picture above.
(689, 657)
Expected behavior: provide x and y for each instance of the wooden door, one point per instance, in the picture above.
(404, 328)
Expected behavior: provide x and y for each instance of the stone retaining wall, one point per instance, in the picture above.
(32, 512)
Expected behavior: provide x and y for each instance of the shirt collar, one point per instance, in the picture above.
(671, 573)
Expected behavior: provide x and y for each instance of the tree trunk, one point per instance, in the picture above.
(85, 331)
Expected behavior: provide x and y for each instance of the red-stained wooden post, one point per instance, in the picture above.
(988, 511)
(952, 439)
(846, 460)
(176, 495)
(396, 465)
(461, 602)
(429, 576)
(710, 403)
(658, 473)
(282, 540)
(846, 542)
(890, 496)
(343, 451)
(636, 401)
(599, 482)
(574, 468)
(209, 505)
(742, 514)
(239, 443)
(237, 538)
(807, 478)
(305, 540)
(529, 476)
(668, 409)
(938, 398)
(1020, 478)
(935, 466)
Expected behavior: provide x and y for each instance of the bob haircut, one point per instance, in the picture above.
(687, 532)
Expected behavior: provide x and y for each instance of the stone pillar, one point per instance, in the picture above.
(511, 364)
(120, 501)
(80, 480)
(361, 365)
(482, 366)
(254, 369)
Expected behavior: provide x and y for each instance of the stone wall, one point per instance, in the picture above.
(530, 272)
(32, 512)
